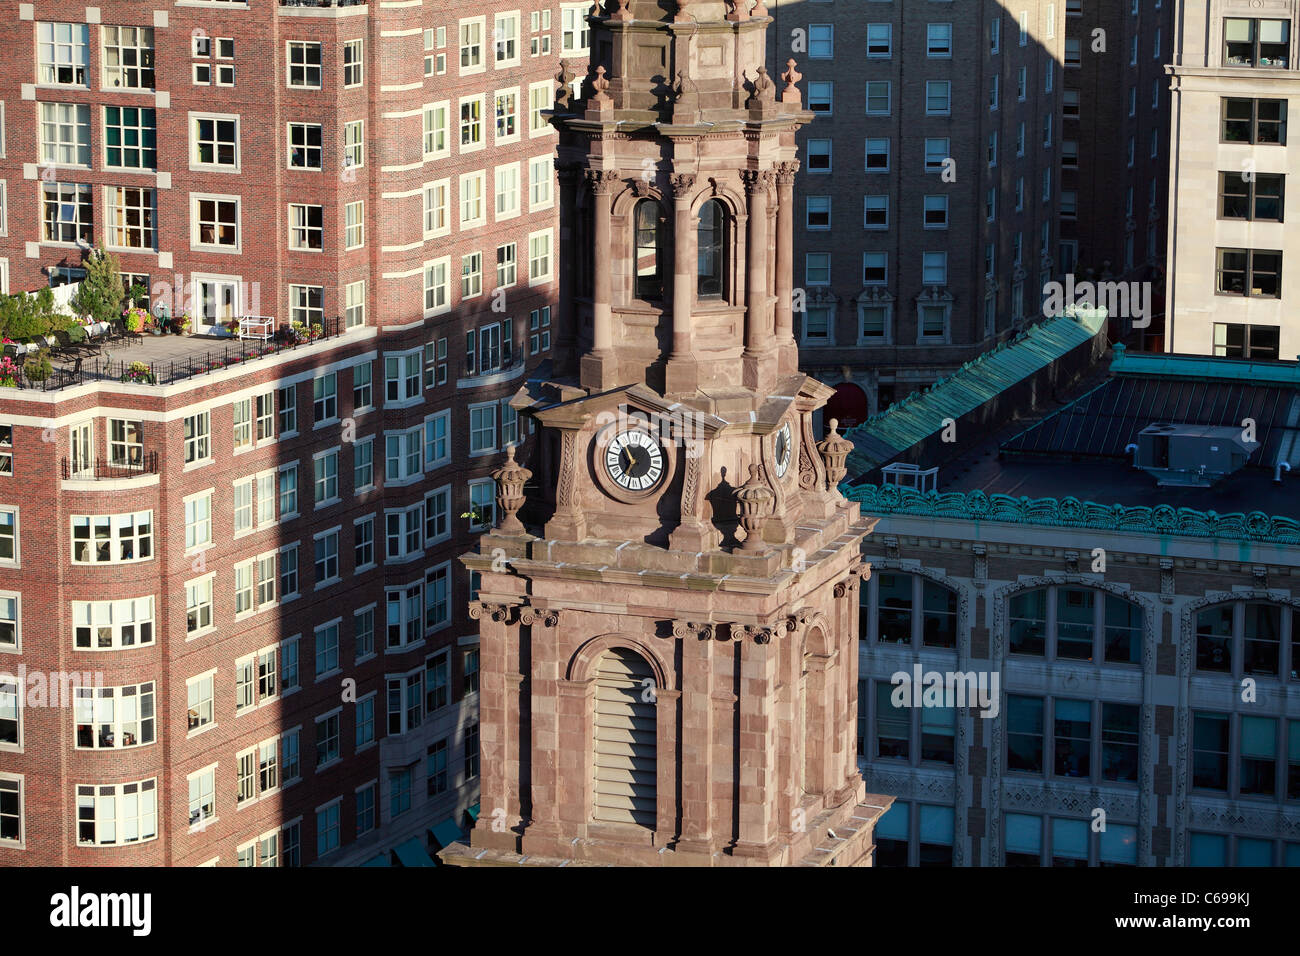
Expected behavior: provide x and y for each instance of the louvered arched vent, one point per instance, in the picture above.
(624, 741)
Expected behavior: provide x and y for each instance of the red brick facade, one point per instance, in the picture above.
(389, 99)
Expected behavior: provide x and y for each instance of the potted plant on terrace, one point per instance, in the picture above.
(138, 373)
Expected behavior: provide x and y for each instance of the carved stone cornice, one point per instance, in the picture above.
(682, 184)
(500, 613)
(539, 616)
(703, 631)
(758, 633)
(601, 181)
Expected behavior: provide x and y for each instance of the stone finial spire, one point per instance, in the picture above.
(834, 450)
(754, 499)
(511, 478)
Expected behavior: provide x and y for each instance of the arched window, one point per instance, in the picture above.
(623, 764)
(712, 236)
(908, 608)
(1075, 623)
(649, 251)
(1247, 637)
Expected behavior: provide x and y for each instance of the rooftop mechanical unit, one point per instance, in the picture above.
(1191, 456)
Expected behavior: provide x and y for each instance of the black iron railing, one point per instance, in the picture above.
(80, 369)
(146, 464)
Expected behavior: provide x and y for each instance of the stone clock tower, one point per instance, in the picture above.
(668, 604)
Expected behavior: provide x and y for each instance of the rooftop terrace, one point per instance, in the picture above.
(164, 359)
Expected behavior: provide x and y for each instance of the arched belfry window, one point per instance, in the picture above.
(649, 251)
(624, 736)
(712, 241)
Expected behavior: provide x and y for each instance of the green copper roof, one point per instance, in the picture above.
(1202, 367)
(978, 381)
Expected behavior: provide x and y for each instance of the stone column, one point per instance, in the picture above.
(497, 790)
(758, 336)
(565, 320)
(598, 366)
(785, 266)
(682, 375)
(697, 736)
(757, 784)
(667, 704)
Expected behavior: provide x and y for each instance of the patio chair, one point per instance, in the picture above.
(260, 327)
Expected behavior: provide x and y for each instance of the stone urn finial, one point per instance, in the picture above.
(791, 76)
(755, 499)
(834, 450)
(510, 479)
(600, 89)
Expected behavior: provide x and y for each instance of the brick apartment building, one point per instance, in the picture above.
(908, 272)
(258, 560)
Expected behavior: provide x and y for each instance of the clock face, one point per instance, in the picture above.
(782, 450)
(634, 460)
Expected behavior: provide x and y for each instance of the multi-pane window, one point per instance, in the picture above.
(539, 256)
(436, 286)
(306, 149)
(482, 500)
(1249, 272)
(1256, 196)
(403, 532)
(363, 543)
(216, 222)
(363, 466)
(1256, 43)
(506, 266)
(472, 206)
(354, 148)
(435, 130)
(327, 556)
(507, 115)
(327, 739)
(62, 54)
(65, 134)
(324, 393)
(326, 477)
(437, 452)
(200, 696)
(304, 62)
(507, 191)
(327, 649)
(354, 224)
(128, 58)
(130, 217)
(402, 455)
(353, 62)
(471, 123)
(102, 539)
(436, 203)
(363, 632)
(1075, 623)
(437, 601)
(306, 227)
(539, 330)
(130, 137)
(471, 275)
(402, 608)
(908, 609)
(115, 814)
(1238, 340)
(113, 717)
(215, 141)
(1253, 121)
(68, 213)
(354, 304)
(198, 605)
(471, 45)
(402, 377)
